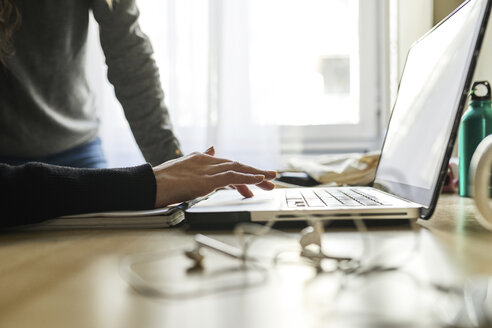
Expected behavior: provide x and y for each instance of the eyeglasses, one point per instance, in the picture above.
(331, 263)
(145, 272)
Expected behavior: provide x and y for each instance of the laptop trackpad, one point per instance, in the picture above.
(231, 201)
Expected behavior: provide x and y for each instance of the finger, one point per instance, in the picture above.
(208, 157)
(244, 191)
(234, 178)
(210, 151)
(222, 165)
(266, 185)
(243, 168)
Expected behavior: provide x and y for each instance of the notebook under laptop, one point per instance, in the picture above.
(418, 144)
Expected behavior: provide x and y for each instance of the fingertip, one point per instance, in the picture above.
(259, 177)
(266, 185)
(244, 191)
(210, 151)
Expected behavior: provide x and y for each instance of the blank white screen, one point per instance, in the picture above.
(430, 90)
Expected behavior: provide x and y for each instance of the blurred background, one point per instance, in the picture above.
(263, 80)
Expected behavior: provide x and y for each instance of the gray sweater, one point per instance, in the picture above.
(46, 105)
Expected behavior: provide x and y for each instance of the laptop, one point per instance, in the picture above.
(417, 147)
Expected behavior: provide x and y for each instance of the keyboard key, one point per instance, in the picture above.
(352, 203)
(368, 202)
(333, 204)
(309, 194)
(295, 203)
(293, 194)
(315, 202)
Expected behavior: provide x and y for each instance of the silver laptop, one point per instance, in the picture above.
(419, 140)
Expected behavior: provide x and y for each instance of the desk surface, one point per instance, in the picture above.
(73, 278)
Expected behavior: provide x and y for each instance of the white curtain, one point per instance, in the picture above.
(235, 72)
(202, 49)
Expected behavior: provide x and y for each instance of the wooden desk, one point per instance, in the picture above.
(468, 244)
(72, 279)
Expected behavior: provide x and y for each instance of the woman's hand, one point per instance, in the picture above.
(198, 174)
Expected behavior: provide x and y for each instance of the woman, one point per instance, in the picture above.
(33, 192)
(48, 110)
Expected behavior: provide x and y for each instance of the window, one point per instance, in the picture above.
(267, 77)
(319, 78)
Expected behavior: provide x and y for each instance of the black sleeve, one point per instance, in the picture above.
(34, 192)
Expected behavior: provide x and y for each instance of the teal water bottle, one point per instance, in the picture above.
(476, 124)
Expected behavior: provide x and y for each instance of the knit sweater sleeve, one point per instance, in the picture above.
(34, 192)
(134, 74)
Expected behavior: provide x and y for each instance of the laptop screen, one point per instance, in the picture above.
(430, 99)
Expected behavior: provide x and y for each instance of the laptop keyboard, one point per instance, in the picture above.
(331, 197)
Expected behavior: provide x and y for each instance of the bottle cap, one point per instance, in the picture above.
(480, 91)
